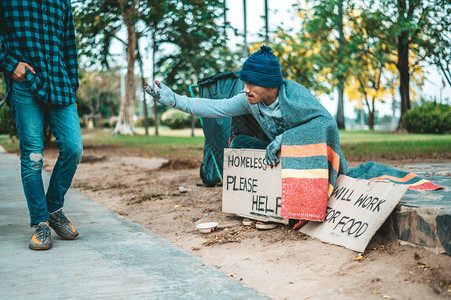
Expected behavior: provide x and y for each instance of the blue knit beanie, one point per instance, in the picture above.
(262, 68)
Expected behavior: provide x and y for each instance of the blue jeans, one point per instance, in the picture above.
(65, 126)
(248, 142)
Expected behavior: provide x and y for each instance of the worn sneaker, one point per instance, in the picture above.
(61, 225)
(41, 238)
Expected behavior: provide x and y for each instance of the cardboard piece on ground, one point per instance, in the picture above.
(251, 188)
(356, 209)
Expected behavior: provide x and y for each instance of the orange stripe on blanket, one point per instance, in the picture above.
(312, 150)
(304, 150)
(331, 189)
(422, 184)
(334, 158)
(404, 179)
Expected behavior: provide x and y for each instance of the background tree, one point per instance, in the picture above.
(299, 55)
(324, 26)
(438, 38)
(97, 24)
(407, 26)
(99, 94)
(7, 124)
(370, 72)
(200, 50)
(188, 26)
(2, 90)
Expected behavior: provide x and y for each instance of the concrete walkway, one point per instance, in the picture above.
(112, 258)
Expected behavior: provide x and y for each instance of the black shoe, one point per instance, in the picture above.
(61, 225)
(41, 238)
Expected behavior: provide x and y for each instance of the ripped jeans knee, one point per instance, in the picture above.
(35, 161)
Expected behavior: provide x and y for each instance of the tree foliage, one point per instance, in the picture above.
(187, 28)
(7, 124)
(98, 23)
(99, 93)
(384, 44)
(325, 25)
(299, 61)
(430, 117)
(199, 44)
(2, 89)
(409, 30)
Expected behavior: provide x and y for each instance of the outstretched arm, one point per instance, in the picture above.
(211, 108)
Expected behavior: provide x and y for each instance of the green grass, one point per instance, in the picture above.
(359, 136)
(356, 145)
(366, 145)
(165, 146)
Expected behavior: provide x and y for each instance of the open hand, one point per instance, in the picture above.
(162, 93)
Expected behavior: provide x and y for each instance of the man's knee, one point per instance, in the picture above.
(73, 151)
(34, 161)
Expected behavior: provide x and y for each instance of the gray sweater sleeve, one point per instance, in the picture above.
(211, 108)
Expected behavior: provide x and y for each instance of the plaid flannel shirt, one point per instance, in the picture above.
(42, 34)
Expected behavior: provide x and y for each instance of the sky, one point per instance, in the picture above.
(281, 13)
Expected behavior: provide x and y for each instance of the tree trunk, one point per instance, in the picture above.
(403, 65)
(143, 81)
(371, 120)
(340, 117)
(393, 118)
(403, 68)
(371, 112)
(125, 123)
(155, 103)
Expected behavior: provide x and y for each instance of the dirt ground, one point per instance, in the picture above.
(280, 263)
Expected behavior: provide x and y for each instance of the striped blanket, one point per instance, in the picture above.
(374, 171)
(311, 165)
(312, 158)
(311, 162)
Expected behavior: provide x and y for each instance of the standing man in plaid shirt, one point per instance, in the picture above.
(38, 58)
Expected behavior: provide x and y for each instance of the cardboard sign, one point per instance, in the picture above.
(356, 209)
(251, 188)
